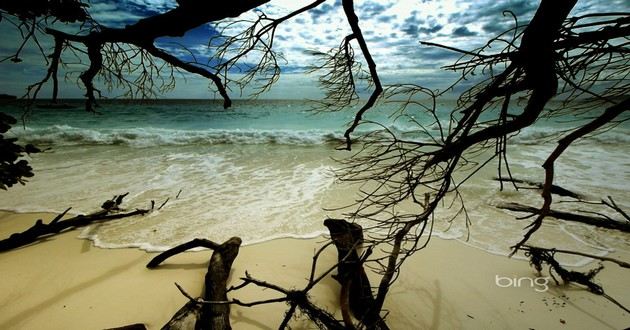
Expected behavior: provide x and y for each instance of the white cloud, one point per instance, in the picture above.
(155, 5)
(382, 23)
(399, 26)
(392, 28)
(110, 14)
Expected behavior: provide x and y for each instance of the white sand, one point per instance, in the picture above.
(65, 283)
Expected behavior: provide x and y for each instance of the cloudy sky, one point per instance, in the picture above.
(393, 30)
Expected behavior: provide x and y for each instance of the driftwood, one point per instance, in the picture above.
(356, 291)
(598, 221)
(136, 326)
(215, 314)
(540, 256)
(41, 230)
(212, 310)
(555, 189)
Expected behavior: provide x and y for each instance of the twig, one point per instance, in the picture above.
(592, 256)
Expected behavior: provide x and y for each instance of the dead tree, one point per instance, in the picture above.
(539, 61)
(213, 315)
(423, 171)
(109, 211)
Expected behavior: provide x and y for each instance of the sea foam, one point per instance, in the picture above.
(264, 171)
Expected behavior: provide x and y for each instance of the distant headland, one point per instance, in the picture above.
(7, 97)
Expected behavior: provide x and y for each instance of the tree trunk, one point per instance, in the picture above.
(217, 316)
(356, 291)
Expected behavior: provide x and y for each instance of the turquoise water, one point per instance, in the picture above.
(263, 170)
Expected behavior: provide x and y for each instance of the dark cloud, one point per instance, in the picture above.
(519, 7)
(491, 12)
(412, 25)
(386, 18)
(496, 28)
(195, 37)
(418, 56)
(415, 26)
(430, 30)
(320, 11)
(436, 54)
(121, 13)
(377, 39)
(294, 69)
(415, 30)
(409, 58)
(463, 31)
(598, 5)
(411, 30)
(192, 46)
(371, 9)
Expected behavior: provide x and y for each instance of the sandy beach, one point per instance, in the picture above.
(66, 283)
(459, 131)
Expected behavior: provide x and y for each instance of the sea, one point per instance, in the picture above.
(265, 169)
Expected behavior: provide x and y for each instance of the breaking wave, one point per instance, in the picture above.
(150, 137)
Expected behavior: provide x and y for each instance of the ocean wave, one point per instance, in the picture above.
(539, 135)
(63, 135)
